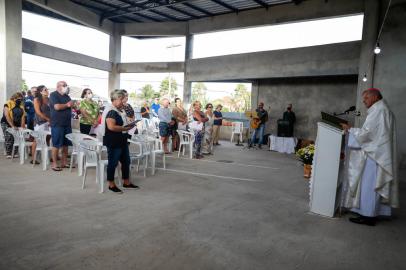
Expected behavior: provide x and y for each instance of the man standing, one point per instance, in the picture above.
(218, 121)
(290, 116)
(372, 173)
(166, 123)
(263, 118)
(29, 107)
(60, 104)
(155, 106)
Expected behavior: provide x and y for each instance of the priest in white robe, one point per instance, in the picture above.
(372, 180)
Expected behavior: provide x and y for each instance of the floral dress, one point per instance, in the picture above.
(207, 138)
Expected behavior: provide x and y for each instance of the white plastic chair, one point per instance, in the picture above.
(19, 136)
(140, 149)
(2, 140)
(158, 150)
(76, 138)
(237, 129)
(186, 138)
(92, 158)
(42, 146)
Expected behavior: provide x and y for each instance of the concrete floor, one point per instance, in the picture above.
(249, 214)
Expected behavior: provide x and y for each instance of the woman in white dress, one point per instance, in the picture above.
(208, 131)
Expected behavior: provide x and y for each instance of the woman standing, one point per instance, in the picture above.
(145, 110)
(199, 119)
(179, 115)
(42, 116)
(13, 117)
(218, 121)
(115, 139)
(89, 110)
(208, 131)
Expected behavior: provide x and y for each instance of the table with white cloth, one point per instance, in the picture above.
(282, 144)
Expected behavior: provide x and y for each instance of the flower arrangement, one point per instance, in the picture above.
(306, 154)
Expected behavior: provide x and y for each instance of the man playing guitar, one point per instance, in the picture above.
(258, 124)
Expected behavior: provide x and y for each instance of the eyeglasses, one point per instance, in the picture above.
(210, 107)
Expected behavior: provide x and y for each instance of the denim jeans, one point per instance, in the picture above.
(261, 130)
(115, 155)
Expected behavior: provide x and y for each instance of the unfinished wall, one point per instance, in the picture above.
(390, 69)
(309, 97)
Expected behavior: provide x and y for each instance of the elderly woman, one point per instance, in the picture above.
(42, 113)
(115, 139)
(13, 117)
(89, 110)
(207, 146)
(199, 120)
(180, 116)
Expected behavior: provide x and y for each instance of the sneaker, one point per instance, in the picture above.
(116, 190)
(130, 185)
(36, 162)
(9, 157)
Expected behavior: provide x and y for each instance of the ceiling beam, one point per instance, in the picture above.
(51, 52)
(99, 9)
(182, 12)
(75, 12)
(262, 3)
(167, 16)
(201, 10)
(143, 7)
(224, 4)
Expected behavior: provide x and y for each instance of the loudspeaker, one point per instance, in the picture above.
(284, 128)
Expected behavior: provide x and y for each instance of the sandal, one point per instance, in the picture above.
(56, 169)
(67, 166)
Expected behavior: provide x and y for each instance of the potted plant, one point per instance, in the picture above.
(306, 155)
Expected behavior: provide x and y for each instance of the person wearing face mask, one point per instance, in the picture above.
(61, 111)
(13, 117)
(42, 115)
(89, 111)
(290, 116)
(115, 139)
(29, 108)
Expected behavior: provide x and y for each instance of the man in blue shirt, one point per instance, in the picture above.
(155, 106)
(61, 111)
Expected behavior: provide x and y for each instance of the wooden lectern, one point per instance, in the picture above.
(327, 170)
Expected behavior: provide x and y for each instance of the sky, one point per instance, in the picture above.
(77, 38)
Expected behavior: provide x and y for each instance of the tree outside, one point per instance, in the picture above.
(147, 93)
(164, 88)
(242, 98)
(199, 93)
(24, 86)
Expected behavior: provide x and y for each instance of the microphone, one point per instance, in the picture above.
(350, 109)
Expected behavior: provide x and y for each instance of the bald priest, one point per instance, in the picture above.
(372, 179)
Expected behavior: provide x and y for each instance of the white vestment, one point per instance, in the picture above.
(372, 182)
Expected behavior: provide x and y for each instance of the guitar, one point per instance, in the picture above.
(255, 121)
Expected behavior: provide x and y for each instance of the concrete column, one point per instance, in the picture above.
(187, 85)
(367, 56)
(10, 48)
(254, 94)
(115, 58)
